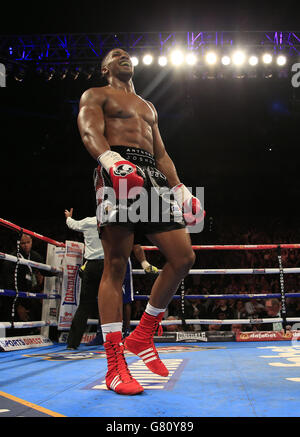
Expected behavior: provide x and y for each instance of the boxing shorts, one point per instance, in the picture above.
(153, 210)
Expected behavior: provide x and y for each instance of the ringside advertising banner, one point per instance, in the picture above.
(71, 283)
(27, 342)
(267, 336)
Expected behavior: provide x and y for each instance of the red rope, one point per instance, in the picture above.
(31, 233)
(195, 247)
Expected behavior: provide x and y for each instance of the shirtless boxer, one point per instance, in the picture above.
(119, 128)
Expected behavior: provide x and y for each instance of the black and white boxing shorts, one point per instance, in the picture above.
(153, 210)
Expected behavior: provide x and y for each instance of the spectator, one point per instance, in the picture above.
(195, 309)
(254, 309)
(138, 309)
(291, 305)
(236, 328)
(273, 307)
(294, 311)
(91, 273)
(239, 311)
(222, 310)
(28, 279)
(214, 327)
(175, 327)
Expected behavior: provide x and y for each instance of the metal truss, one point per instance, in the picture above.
(85, 48)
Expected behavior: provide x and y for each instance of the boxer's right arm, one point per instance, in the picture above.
(91, 125)
(91, 122)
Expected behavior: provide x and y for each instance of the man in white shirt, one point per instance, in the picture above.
(273, 307)
(92, 272)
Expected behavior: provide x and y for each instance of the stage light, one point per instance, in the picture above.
(253, 60)
(191, 59)
(162, 61)
(63, 73)
(46, 72)
(134, 61)
(238, 58)
(267, 58)
(51, 73)
(75, 72)
(268, 75)
(239, 75)
(147, 59)
(88, 72)
(177, 57)
(281, 60)
(225, 60)
(211, 58)
(20, 75)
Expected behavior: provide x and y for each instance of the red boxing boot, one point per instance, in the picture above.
(118, 377)
(140, 342)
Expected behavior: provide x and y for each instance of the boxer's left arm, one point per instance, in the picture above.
(91, 122)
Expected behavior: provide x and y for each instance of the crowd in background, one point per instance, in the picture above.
(275, 232)
(215, 232)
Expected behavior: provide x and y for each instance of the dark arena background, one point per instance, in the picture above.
(226, 85)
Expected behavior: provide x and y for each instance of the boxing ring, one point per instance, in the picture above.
(245, 374)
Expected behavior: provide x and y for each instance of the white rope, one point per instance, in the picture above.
(41, 323)
(30, 263)
(221, 322)
(33, 324)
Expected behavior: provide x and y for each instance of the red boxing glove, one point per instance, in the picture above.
(190, 205)
(123, 174)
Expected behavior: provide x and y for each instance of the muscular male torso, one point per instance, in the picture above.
(128, 118)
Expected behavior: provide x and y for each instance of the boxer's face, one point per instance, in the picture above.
(117, 63)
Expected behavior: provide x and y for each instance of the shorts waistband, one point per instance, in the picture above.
(135, 155)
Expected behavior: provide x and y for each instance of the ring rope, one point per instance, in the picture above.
(17, 228)
(222, 322)
(34, 324)
(182, 296)
(19, 260)
(41, 323)
(30, 263)
(269, 271)
(11, 225)
(27, 294)
(224, 296)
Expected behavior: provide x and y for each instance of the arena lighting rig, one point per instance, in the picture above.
(212, 65)
(237, 58)
(205, 54)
